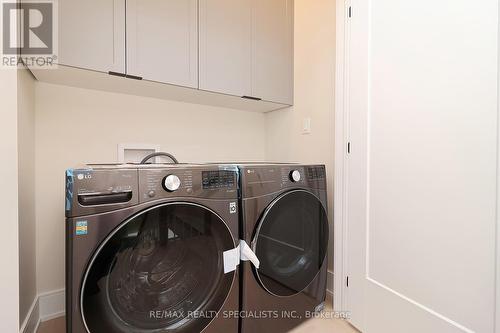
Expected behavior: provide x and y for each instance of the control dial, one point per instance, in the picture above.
(295, 176)
(171, 183)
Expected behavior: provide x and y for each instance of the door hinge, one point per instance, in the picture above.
(348, 147)
(347, 281)
(350, 11)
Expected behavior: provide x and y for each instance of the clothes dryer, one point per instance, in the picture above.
(284, 219)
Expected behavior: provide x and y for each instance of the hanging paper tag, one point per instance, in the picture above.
(246, 254)
(231, 259)
(242, 252)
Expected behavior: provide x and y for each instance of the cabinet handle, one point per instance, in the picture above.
(252, 98)
(116, 74)
(133, 77)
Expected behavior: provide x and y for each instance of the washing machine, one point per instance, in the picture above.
(284, 219)
(146, 248)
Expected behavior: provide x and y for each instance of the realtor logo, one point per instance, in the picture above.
(33, 33)
(29, 33)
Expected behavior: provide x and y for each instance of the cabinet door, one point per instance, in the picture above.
(225, 46)
(162, 41)
(272, 73)
(92, 34)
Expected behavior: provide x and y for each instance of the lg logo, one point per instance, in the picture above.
(82, 176)
(28, 27)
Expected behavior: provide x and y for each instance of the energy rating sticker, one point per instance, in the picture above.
(81, 227)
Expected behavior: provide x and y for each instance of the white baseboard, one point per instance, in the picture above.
(32, 320)
(45, 307)
(52, 305)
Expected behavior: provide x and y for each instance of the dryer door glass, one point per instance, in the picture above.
(291, 243)
(160, 271)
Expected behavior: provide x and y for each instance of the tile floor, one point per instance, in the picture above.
(314, 325)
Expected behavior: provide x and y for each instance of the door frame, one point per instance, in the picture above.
(497, 261)
(340, 295)
(341, 135)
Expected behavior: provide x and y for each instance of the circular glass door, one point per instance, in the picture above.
(291, 243)
(160, 271)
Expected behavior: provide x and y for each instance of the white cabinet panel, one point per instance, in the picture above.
(92, 34)
(246, 48)
(242, 48)
(162, 41)
(272, 69)
(225, 46)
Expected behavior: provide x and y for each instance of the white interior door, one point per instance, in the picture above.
(422, 173)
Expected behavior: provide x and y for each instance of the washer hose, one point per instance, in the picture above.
(150, 156)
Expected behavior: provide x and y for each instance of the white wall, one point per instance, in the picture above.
(9, 273)
(26, 169)
(76, 126)
(314, 97)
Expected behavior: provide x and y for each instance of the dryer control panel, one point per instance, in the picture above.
(264, 179)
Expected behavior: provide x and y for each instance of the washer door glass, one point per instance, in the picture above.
(160, 271)
(291, 243)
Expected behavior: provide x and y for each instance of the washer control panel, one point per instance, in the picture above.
(218, 179)
(171, 183)
(208, 182)
(295, 176)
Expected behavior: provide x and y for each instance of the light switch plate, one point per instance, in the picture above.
(306, 126)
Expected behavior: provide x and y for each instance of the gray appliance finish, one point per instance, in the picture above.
(144, 248)
(284, 218)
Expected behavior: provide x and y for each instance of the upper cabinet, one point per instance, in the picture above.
(225, 46)
(272, 73)
(162, 41)
(246, 48)
(232, 53)
(92, 34)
